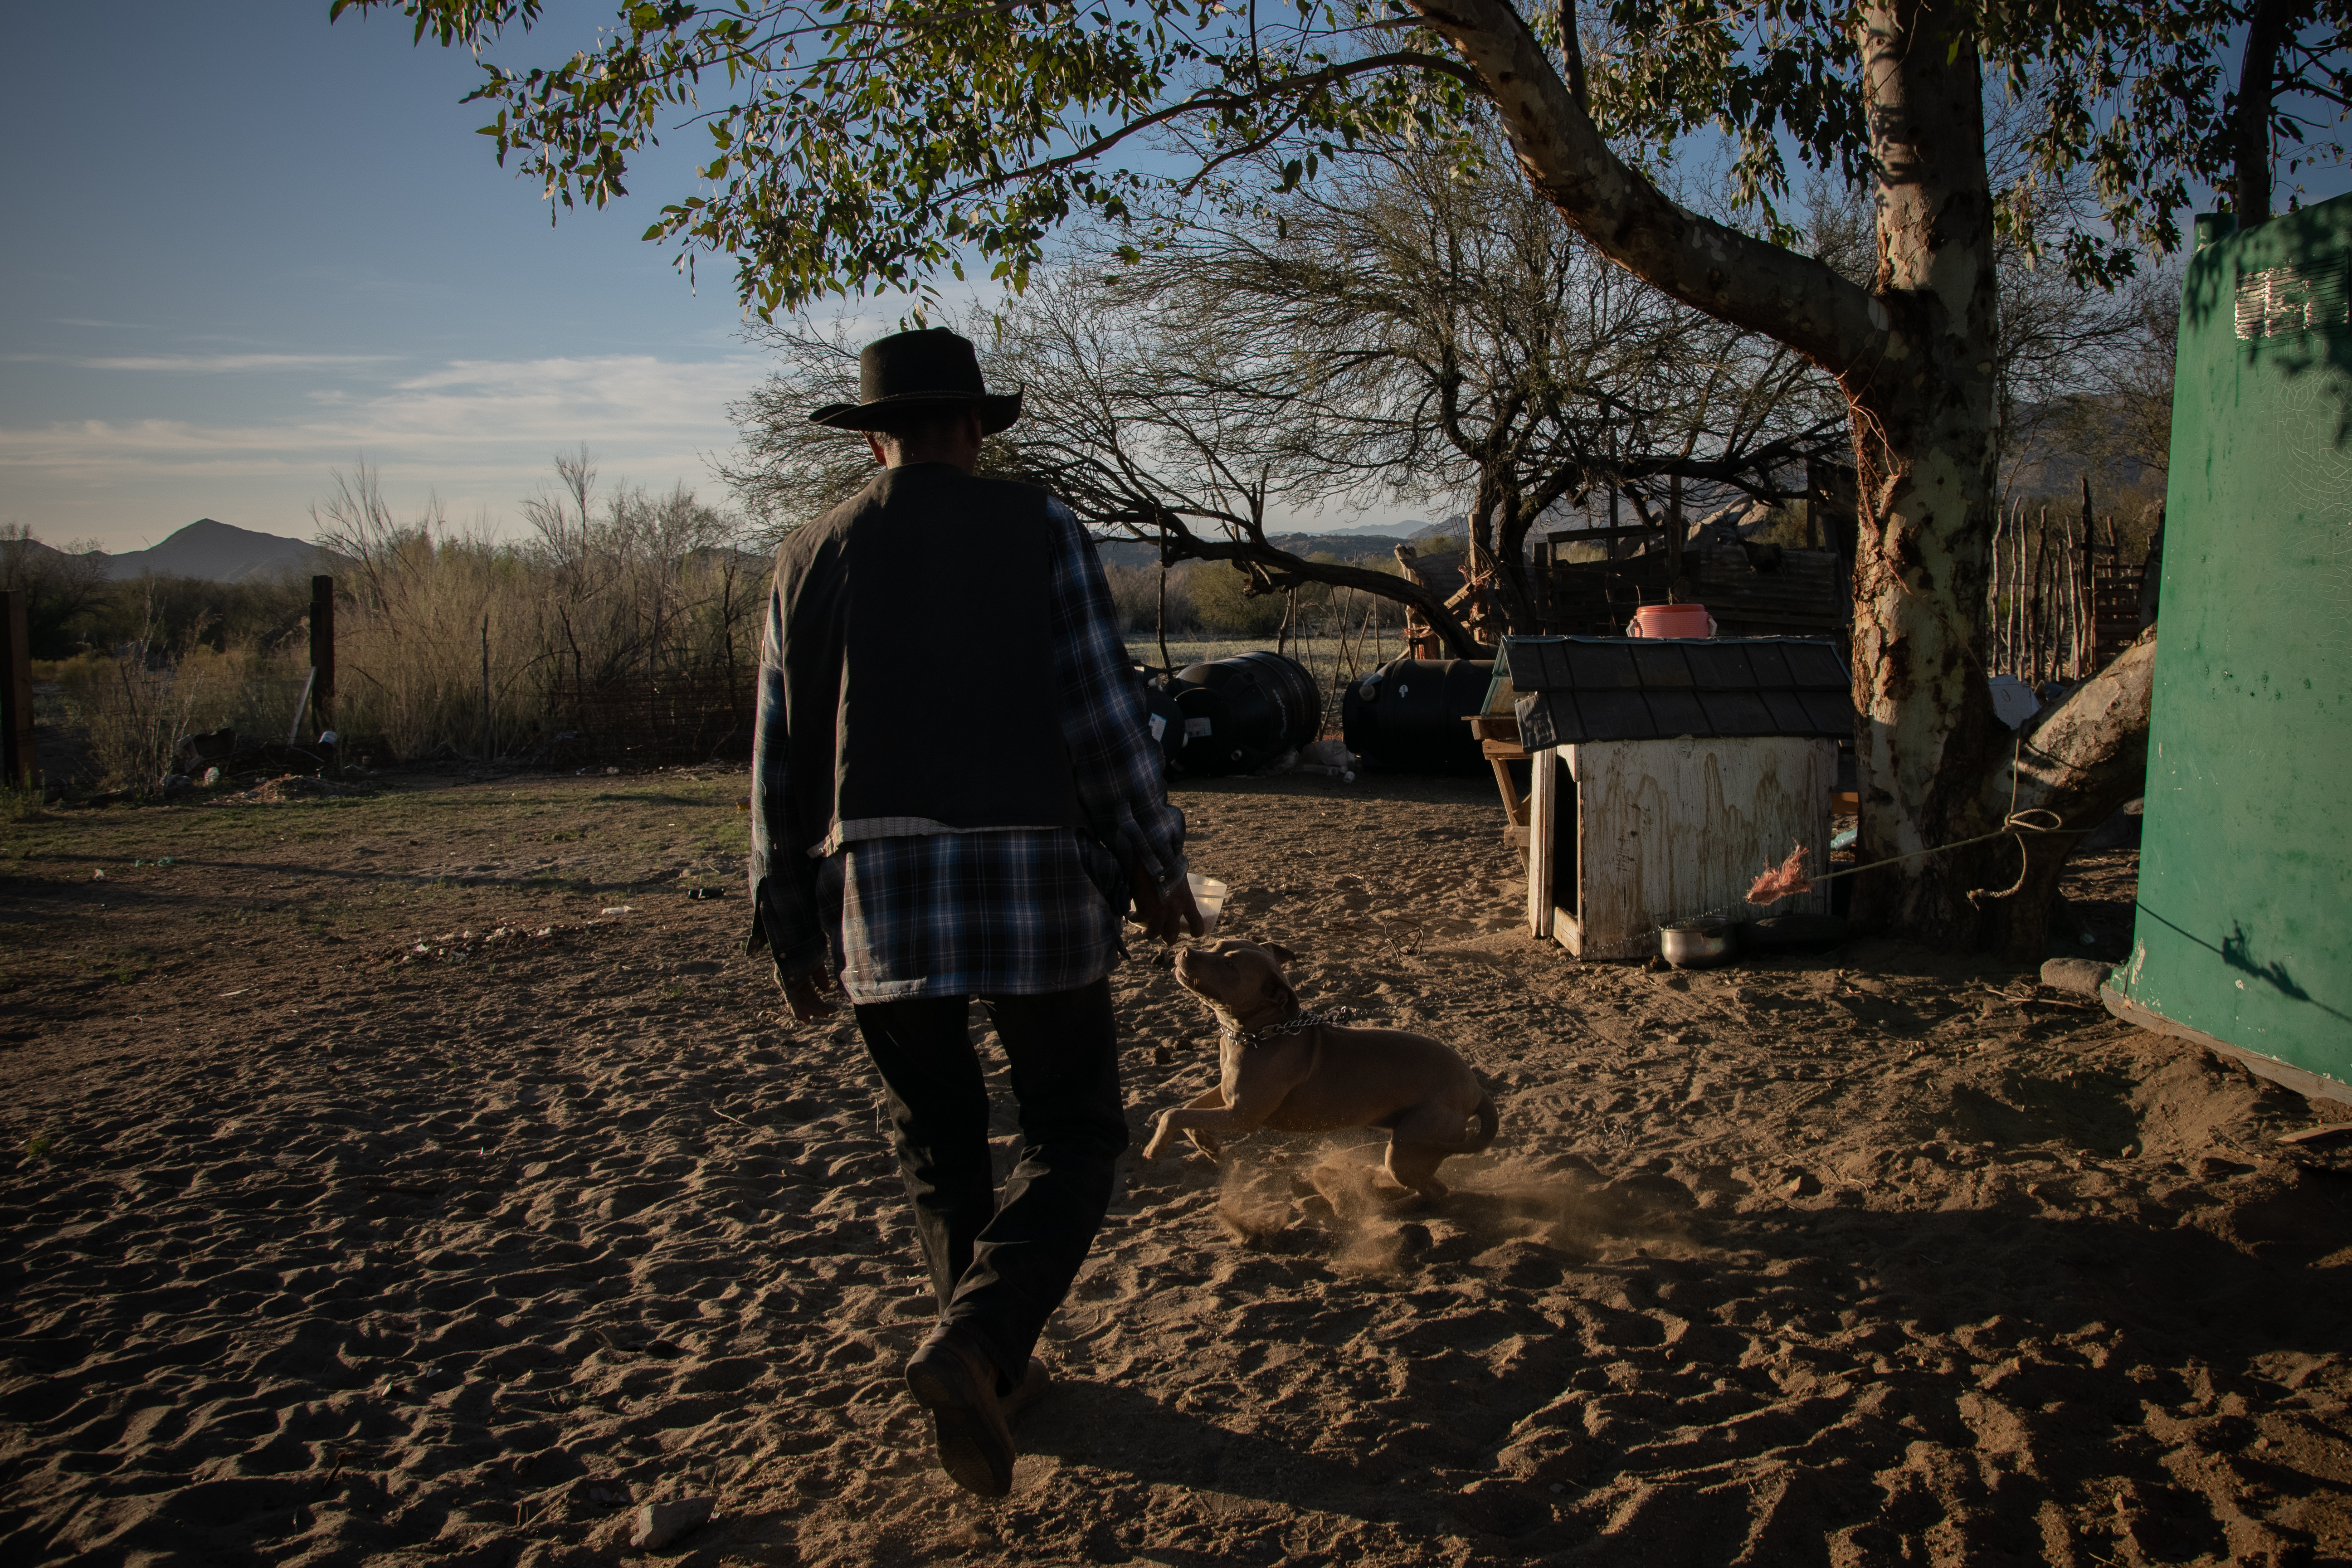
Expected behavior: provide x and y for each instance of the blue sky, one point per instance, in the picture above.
(246, 247)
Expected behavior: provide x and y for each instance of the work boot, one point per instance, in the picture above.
(955, 1380)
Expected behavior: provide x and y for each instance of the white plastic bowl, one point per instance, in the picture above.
(1209, 897)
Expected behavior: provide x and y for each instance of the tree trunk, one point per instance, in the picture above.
(2080, 761)
(2268, 29)
(1924, 443)
(1511, 569)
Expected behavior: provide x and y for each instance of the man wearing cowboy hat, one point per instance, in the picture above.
(939, 838)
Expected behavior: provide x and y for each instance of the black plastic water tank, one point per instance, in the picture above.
(1241, 713)
(1409, 716)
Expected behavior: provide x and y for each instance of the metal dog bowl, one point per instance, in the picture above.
(1695, 945)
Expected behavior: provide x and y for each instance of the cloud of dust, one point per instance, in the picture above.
(1337, 1201)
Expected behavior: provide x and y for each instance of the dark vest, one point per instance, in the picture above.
(892, 602)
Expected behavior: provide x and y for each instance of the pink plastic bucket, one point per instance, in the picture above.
(1671, 621)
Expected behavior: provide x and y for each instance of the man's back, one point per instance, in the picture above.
(884, 602)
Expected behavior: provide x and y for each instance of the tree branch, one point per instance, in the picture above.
(1712, 267)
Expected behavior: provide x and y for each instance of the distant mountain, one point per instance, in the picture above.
(1401, 530)
(219, 552)
(1342, 543)
(1126, 552)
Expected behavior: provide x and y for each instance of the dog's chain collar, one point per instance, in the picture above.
(1299, 1025)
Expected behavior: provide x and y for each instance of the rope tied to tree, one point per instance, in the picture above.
(1787, 879)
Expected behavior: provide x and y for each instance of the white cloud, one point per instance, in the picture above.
(201, 365)
(476, 433)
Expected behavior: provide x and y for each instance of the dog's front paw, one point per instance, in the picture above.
(1159, 1137)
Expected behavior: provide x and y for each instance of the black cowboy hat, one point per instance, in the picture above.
(911, 372)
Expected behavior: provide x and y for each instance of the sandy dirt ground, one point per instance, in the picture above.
(424, 1177)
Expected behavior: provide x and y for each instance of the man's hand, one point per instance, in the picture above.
(804, 995)
(1165, 919)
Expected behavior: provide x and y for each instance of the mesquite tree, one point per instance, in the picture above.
(1425, 330)
(874, 144)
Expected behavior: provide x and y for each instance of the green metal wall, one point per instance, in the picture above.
(2244, 927)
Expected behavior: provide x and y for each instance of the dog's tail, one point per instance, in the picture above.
(1486, 1125)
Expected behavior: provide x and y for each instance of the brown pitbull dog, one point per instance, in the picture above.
(1296, 1073)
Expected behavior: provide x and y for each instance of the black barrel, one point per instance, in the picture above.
(1241, 713)
(1162, 715)
(1409, 716)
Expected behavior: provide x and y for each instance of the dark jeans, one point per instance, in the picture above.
(999, 1270)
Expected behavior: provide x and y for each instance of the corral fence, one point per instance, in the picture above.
(2064, 595)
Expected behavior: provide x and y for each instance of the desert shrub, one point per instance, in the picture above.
(1222, 602)
(187, 612)
(1136, 591)
(140, 701)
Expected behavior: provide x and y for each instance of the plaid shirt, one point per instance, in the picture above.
(999, 911)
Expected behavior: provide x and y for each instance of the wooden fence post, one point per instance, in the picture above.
(322, 652)
(486, 690)
(16, 691)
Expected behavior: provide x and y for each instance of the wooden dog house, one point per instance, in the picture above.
(1667, 774)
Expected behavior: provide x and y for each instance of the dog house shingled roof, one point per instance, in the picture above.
(1575, 689)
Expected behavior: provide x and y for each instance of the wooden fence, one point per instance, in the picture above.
(2062, 600)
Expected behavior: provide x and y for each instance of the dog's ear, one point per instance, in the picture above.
(1279, 953)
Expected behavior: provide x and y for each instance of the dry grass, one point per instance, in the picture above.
(454, 637)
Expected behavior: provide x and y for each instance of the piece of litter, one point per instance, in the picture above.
(706, 893)
(238, 992)
(609, 772)
(97, 876)
(1785, 880)
(619, 910)
(2318, 1134)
